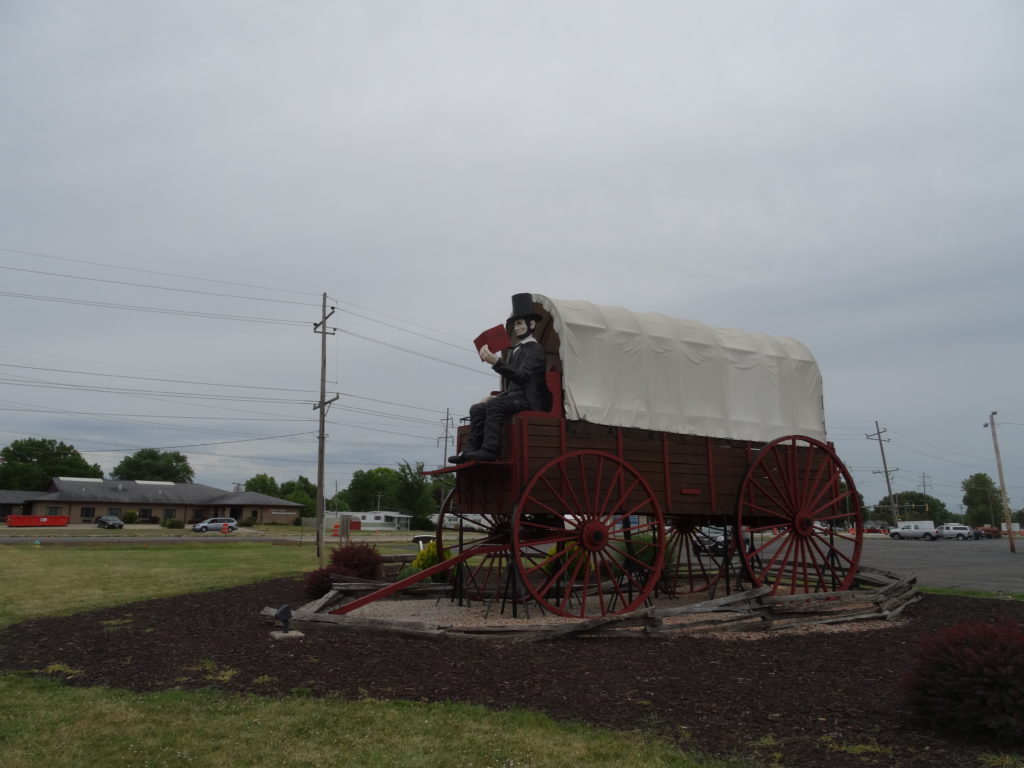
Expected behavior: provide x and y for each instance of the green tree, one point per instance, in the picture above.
(413, 495)
(263, 483)
(29, 464)
(301, 491)
(373, 489)
(154, 464)
(913, 505)
(338, 502)
(983, 501)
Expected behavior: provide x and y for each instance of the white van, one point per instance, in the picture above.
(915, 529)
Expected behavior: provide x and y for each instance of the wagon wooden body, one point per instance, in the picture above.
(614, 495)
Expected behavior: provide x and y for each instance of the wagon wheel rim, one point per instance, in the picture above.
(788, 499)
(691, 565)
(588, 536)
(483, 577)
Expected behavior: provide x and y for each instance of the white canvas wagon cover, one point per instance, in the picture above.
(650, 371)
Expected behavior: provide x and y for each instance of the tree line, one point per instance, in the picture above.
(30, 463)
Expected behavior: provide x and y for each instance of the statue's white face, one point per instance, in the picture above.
(520, 328)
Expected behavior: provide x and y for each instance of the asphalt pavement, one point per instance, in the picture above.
(983, 565)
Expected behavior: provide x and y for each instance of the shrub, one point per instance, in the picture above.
(318, 583)
(173, 524)
(130, 517)
(426, 558)
(969, 679)
(360, 560)
(406, 571)
(568, 560)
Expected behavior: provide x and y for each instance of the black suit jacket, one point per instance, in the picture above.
(523, 375)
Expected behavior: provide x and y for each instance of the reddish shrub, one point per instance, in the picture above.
(969, 680)
(318, 583)
(360, 560)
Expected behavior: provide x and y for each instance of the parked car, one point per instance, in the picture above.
(715, 540)
(989, 531)
(955, 531)
(109, 521)
(710, 540)
(215, 524)
(915, 529)
(872, 529)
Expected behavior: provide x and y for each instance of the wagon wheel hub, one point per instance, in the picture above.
(594, 536)
(803, 523)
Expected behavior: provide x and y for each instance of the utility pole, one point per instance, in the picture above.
(886, 470)
(1002, 482)
(447, 436)
(322, 329)
(924, 483)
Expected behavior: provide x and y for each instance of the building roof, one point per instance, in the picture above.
(18, 497)
(138, 492)
(252, 499)
(655, 372)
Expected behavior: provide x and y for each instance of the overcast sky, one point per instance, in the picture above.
(180, 182)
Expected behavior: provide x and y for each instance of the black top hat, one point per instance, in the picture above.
(522, 306)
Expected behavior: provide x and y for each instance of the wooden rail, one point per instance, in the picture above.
(754, 610)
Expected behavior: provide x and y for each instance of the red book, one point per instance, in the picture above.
(495, 338)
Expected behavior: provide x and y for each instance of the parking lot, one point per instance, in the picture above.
(985, 565)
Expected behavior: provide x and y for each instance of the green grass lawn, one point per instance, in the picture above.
(45, 723)
(51, 579)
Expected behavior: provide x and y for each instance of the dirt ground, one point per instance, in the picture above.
(799, 699)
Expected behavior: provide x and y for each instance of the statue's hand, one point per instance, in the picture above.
(487, 356)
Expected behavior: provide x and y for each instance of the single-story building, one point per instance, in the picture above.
(14, 502)
(83, 499)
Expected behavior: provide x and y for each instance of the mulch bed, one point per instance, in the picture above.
(809, 699)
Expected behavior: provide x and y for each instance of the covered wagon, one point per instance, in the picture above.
(674, 454)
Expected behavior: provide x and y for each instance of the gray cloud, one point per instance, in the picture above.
(848, 174)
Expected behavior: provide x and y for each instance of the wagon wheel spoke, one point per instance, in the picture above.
(791, 495)
(693, 561)
(588, 537)
(480, 578)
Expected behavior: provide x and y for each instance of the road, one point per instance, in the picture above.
(986, 565)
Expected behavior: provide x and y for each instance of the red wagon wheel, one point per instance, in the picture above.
(693, 559)
(484, 577)
(588, 536)
(792, 496)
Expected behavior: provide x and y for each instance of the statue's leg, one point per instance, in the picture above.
(498, 410)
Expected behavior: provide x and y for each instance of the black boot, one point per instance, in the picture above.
(481, 455)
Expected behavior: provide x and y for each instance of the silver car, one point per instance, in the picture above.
(216, 524)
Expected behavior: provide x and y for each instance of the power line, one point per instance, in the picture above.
(221, 282)
(153, 378)
(213, 384)
(214, 294)
(206, 445)
(412, 352)
(156, 310)
(149, 271)
(153, 287)
(145, 392)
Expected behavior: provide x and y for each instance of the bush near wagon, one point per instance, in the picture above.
(969, 680)
(360, 560)
(423, 560)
